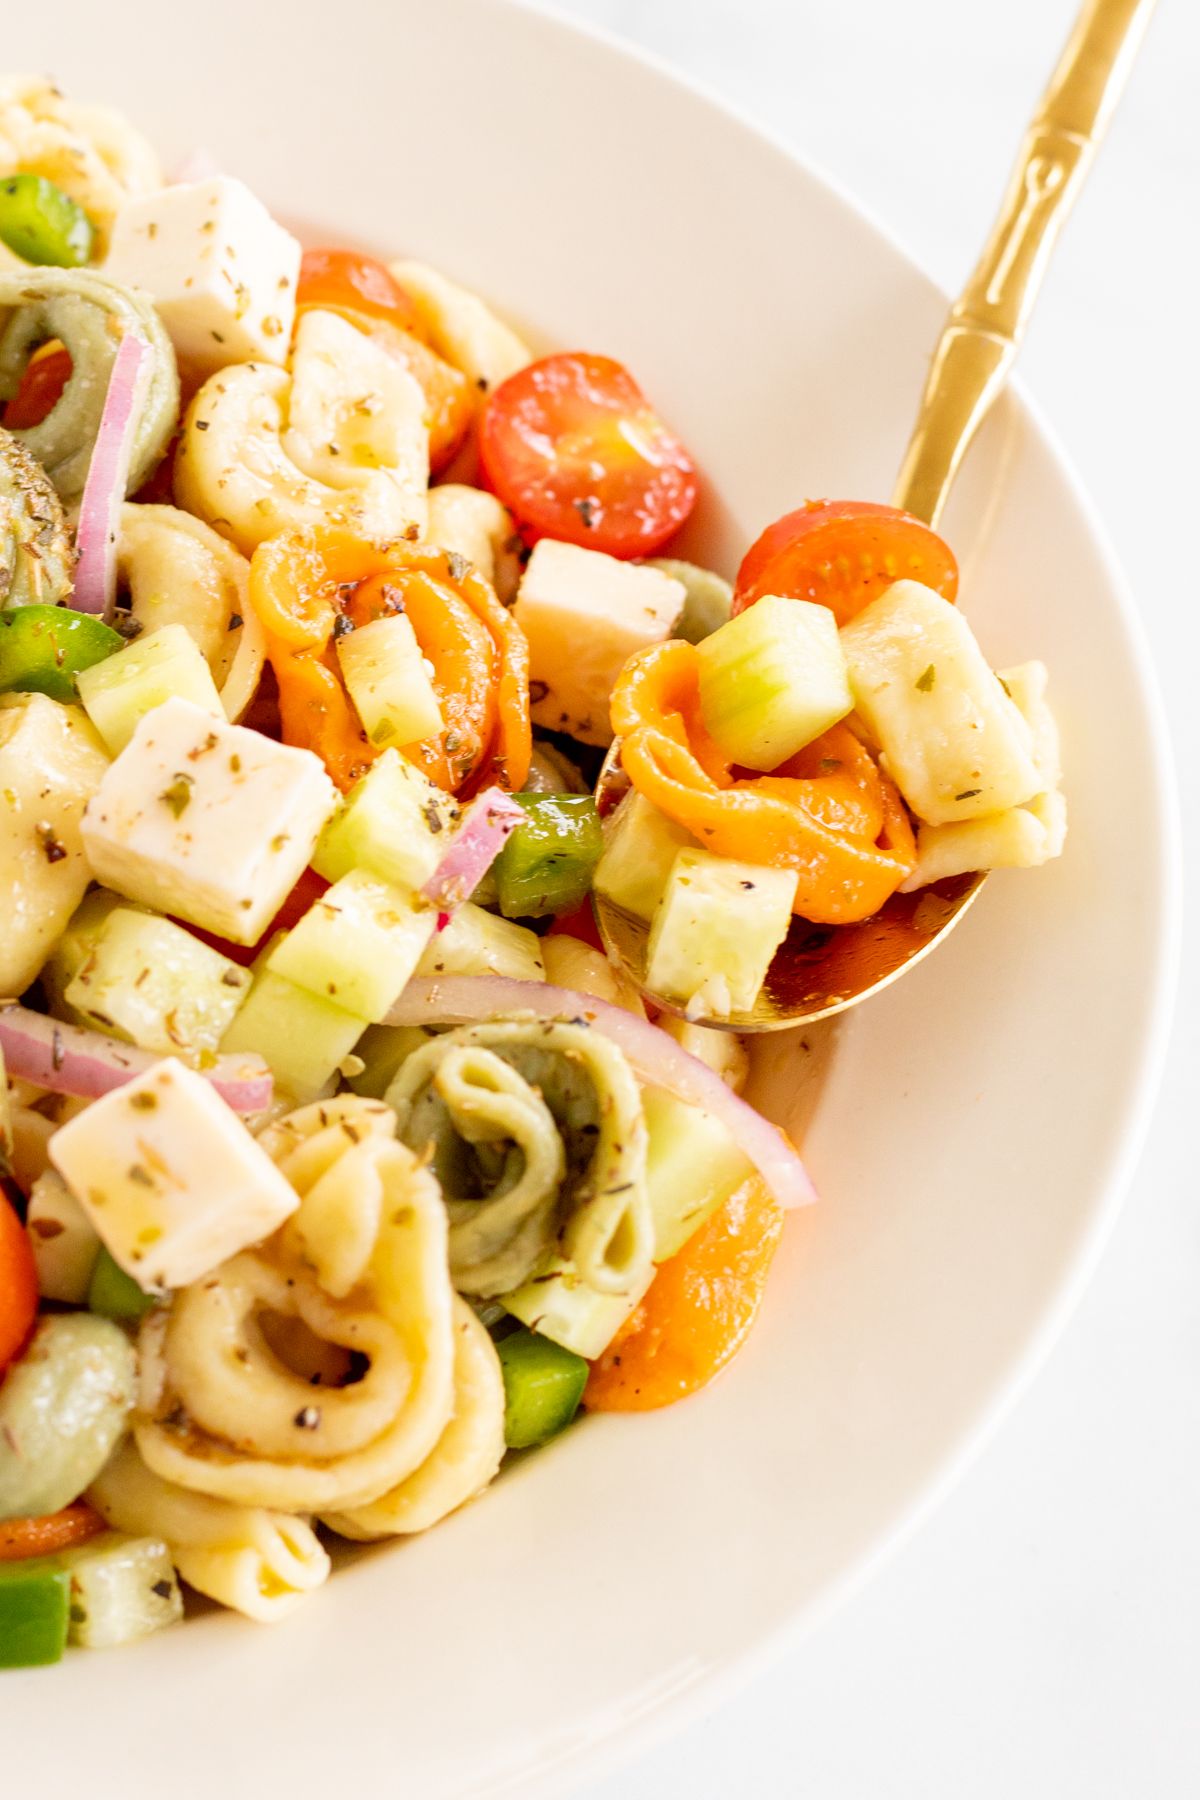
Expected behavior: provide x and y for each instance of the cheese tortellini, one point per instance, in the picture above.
(51, 763)
(539, 1142)
(315, 1372)
(259, 1562)
(481, 528)
(339, 436)
(92, 152)
(466, 1456)
(179, 571)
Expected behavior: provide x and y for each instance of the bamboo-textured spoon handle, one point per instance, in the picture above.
(983, 331)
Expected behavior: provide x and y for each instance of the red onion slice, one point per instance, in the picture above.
(653, 1056)
(70, 1060)
(107, 479)
(488, 823)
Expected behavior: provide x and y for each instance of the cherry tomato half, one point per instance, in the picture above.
(45, 377)
(843, 554)
(347, 279)
(575, 451)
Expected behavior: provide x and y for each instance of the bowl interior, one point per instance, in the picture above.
(975, 1117)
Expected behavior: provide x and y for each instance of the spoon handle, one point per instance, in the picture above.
(983, 331)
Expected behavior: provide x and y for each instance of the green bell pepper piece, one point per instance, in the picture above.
(42, 224)
(114, 1294)
(43, 648)
(547, 864)
(543, 1385)
(35, 1597)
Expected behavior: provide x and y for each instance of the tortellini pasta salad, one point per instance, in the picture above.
(340, 1163)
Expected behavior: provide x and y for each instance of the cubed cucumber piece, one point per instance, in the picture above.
(716, 929)
(34, 1600)
(121, 1588)
(152, 982)
(389, 681)
(358, 946)
(543, 1385)
(382, 1048)
(74, 947)
(640, 845)
(956, 745)
(161, 665)
(476, 942)
(547, 863)
(393, 824)
(64, 1241)
(557, 1303)
(114, 1294)
(692, 1167)
(709, 598)
(772, 680)
(303, 1038)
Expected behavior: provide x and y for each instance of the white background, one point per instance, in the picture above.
(1041, 1635)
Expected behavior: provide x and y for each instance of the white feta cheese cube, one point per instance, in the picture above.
(169, 1176)
(219, 269)
(206, 820)
(584, 615)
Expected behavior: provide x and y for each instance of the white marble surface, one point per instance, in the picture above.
(1041, 1635)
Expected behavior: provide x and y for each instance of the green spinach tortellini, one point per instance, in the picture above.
(89, 315)
(538, 1140)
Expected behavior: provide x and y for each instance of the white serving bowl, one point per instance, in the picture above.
(980, 1117)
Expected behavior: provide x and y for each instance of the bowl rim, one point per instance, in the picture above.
(721, 1680)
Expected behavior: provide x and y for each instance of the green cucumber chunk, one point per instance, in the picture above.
(43, 648)
(547, 864)
(35, 1599)
(114, 1294)
(543, 1385)
(122, 1588)
(772, 680)
(42, 224)
(709, 599)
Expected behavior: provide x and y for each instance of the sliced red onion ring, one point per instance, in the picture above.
(653, 1056)
(107, 479)
(69, 1060)
(487, 825)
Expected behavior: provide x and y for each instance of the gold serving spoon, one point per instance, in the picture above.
(820, 970)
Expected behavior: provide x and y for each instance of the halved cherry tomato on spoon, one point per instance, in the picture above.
(575, 451)
(350, 280)
(843, 554)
